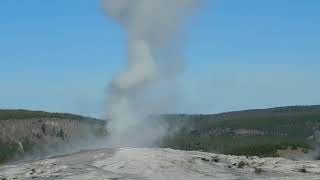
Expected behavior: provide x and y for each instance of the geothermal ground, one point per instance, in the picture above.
(144, 163)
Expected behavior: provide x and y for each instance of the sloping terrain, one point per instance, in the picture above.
(36, 132)
(252, 132)
(143, 163)
(7, 114)
(283, 131)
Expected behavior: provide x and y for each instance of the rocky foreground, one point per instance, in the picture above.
(144, 163)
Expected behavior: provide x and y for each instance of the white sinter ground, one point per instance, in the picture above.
(147, 163)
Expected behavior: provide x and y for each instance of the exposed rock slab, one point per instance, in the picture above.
(48, 130)
(145, 163)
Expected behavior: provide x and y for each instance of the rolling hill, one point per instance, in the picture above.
(261, 132)
(251, 132)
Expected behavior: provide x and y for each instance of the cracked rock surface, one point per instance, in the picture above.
(157, 163)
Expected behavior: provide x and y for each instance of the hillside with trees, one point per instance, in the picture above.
(252, 132)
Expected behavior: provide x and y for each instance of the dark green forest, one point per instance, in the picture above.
(258, 132)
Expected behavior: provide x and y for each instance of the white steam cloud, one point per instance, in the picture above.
(151, 29)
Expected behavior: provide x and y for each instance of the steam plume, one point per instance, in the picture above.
(150, 26)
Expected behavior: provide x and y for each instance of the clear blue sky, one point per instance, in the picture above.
(59, 55)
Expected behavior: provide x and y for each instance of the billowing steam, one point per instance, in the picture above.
(151, 30)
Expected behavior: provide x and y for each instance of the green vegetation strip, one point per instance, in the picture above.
(263, 146)
(25, 114)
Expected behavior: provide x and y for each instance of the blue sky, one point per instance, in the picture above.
(59, 55)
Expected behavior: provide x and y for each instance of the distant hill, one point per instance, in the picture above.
(261, 132)
(243, 131)
(38, 132)
(6, 114)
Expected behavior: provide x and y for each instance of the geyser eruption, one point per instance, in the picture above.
(150, 26)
